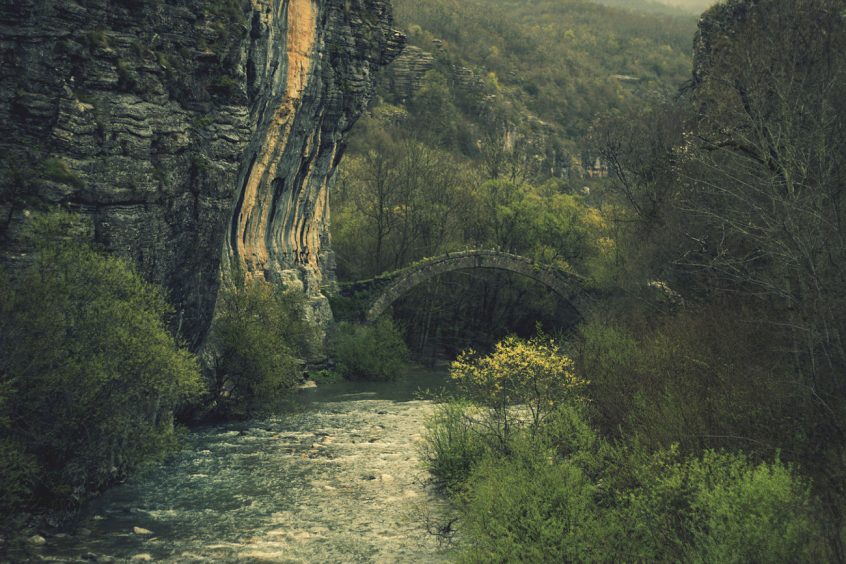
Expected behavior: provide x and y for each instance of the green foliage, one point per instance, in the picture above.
(404, 201)
(561, 492)
(530, 509)
(609, 354)
(452, 444)
(256, 340)
(18, 474)
(350, 308)
(566, 52)
(567, 495)
(731, 196)
(58, 170)
(662, 6)
(746, 512)
(485, 151)
(533, 374)
(89, 375)
(369, 352)
(719, 507)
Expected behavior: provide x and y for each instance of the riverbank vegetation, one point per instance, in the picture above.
(92, 381)
(532, 478)
(374, 352)
(90, 375)
(254, 350)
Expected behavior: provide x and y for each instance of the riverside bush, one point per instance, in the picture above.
(369, 352)
(561, 492)
(531, 374)
(255, 344)
(452, 445)
(89, 374)
(610, 503)
(529, 509)
(717, 507)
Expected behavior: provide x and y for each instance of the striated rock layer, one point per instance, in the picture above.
(194, 134)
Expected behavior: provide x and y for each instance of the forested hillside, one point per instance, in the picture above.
(479, 142)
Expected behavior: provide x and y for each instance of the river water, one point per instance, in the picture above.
(335, 479)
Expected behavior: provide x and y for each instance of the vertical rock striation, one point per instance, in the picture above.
(189, 131)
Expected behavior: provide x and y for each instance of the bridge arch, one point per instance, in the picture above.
(392, 287)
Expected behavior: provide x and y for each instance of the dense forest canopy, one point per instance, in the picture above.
(561, 62)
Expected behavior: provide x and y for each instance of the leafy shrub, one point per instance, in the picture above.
(743, 512)
(452, 444)
(254, 345)
(89, 375)
(369, 352)
(532, 374)
(608, 503)
(719, 507)
(18, 471)
(568, 431)
(529, 509)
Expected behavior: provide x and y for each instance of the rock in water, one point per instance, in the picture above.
(37, 540)
(142, 531)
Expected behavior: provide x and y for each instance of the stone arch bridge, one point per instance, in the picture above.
(375, 296)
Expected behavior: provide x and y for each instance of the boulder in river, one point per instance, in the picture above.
(37, 540)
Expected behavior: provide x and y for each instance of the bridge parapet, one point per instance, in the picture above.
(389, 287)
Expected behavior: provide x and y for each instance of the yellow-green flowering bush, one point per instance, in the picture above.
(531, 373)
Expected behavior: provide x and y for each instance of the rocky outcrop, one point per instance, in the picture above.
(405, 76)
(189, 131)
(718, 28)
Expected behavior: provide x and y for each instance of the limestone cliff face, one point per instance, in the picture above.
(189, 131)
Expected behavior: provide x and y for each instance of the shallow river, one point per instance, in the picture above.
(336, 480)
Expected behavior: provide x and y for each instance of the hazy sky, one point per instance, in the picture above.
(690, 6)
(698, 5)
